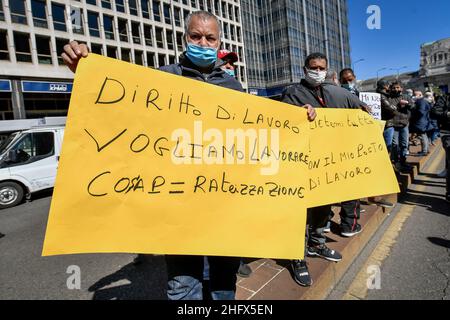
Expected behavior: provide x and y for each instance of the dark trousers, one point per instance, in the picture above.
(317, 219)
(350, 213)
(446, 144)
(185, 277)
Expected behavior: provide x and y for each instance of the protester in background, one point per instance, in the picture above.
(347, 80)
(434, 132)
(332, 78)
(229, 58)
(400, 123)
(441, 112)
(315, 91)
(420, 122)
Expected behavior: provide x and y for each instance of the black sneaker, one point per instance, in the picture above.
(325, 252)
(244, 270)
(140, 259)
(301, 273)
(347, 232)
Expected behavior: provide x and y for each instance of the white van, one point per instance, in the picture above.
(28, 163)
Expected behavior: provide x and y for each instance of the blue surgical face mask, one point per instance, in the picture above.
(230, 72)
(201, 56)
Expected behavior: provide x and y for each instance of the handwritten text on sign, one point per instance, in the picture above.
(157, 163)
(348, 158)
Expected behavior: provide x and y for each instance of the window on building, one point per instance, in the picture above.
(111, 52)
(4, 54)
(23, 48)
(43, 50)
(138, 57)
(169, 39)
(126, 54)
(159, 38)
(2, 13)
(148, 35)
(132, 6)
(123, 34)
(76, 16)
(106, 4)
(39, 14)
(94, 29)
(96, 48)
(177, 16)
(120, 6)
(60, 43)
(193, 3)
(108, 26)
(167, 18)
(171, 59)
(156, 11)
(161, 60)
(18, 14)
(179, 41)
(93, 2)
(144, 9)
(136, 32)
(150, 59)
(59, 17)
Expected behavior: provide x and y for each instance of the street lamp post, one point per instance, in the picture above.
(378, 73)
(354, 63)
(398, 70)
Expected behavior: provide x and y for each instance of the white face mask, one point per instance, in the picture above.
(314, 77)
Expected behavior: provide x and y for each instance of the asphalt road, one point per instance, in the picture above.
(415, 263)
(24, 274)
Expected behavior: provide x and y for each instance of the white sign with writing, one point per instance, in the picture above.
(373, 100)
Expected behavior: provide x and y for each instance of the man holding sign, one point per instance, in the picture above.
(199, 62)
(314, 91)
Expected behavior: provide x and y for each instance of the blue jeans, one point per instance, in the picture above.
(388, 138)
(400, 144)
(185, 277)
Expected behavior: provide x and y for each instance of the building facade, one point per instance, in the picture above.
(279, 35)
(33, 79)
(434, 72)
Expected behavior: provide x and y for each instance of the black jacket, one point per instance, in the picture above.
(217, 76)
(401, 117)
(391, 111)
(441, 110)
(332, 96)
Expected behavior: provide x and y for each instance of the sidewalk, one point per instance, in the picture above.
(272, 280)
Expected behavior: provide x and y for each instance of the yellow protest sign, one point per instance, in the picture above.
(348, 158)
(157, 163)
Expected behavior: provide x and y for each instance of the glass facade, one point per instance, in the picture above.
(278, 36)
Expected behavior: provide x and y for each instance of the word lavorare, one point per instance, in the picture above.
(212, 146)
(106, 183)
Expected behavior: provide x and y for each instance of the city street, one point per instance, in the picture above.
(24, 274)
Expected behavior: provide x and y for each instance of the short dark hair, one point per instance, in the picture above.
(396, 83)
(344, 71)
(313, 56)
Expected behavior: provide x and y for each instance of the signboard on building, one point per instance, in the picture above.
(46, 87)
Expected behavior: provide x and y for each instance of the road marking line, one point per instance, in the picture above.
(358, 289)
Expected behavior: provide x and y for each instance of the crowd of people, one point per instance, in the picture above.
(321, 88)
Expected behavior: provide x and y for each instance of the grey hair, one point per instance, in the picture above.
(204, 15)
